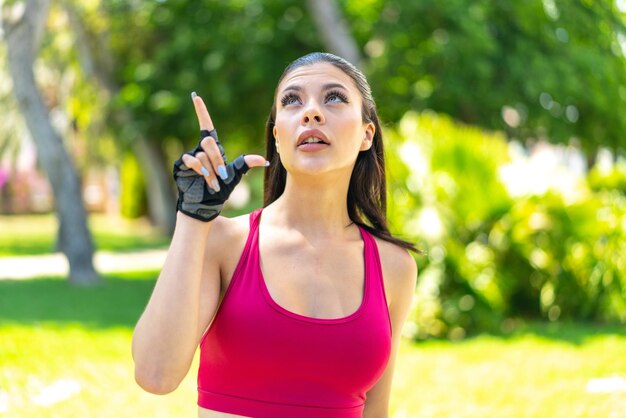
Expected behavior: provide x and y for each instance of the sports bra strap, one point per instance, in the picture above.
(254, 215)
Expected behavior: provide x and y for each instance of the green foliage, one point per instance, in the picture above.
(491, 256)
(549, 69)
(613, 178)
(230, 53)
(448, 194)
(133, 188)
(573, 255)
(555, 68)
(545, 66)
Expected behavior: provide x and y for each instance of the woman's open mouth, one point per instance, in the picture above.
(312, 144)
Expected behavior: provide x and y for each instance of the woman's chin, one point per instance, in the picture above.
(309, 171)
(317, 169)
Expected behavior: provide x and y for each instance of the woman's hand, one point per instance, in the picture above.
(204, 178)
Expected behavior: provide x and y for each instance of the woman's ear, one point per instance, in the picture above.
(275, 139)
(368, 137)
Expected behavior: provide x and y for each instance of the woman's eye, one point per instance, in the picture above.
(336, 97)
(289, 99)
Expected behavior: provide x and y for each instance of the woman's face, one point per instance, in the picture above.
(316, 103)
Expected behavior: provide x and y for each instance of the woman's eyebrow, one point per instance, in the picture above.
(327, 86)
(333, 86)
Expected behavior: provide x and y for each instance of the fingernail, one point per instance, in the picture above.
(215, 185)
(267, 164)
(205, 171)
(193, 95)
(223, 173)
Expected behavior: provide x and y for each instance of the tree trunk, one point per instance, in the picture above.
(161, 199)
(334, 30)
(74, 238)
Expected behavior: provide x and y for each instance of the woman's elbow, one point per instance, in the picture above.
(155, 382)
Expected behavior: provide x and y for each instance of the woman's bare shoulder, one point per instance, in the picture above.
(399, 268)
(227, 225)
(227, 233)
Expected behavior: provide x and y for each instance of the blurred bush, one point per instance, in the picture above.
(492, 256)
(613, 178)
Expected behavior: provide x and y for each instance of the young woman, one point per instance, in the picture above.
(297, 307)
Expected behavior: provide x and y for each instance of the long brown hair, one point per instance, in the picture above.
(367, 192)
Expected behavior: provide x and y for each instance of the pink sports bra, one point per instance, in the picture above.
(260, 360)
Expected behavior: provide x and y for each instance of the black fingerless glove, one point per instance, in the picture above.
(195, 197)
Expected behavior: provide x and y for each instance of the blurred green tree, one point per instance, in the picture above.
(539, 68)
(231, 53)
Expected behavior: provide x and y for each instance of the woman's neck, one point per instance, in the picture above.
(316, 207)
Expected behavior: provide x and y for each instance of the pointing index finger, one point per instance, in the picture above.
(201, 111)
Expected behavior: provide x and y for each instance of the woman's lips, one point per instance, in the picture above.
(312, 146)
(312, 133)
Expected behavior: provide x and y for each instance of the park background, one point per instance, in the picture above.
(505, 132)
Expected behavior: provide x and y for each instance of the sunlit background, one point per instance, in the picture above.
(505, 138)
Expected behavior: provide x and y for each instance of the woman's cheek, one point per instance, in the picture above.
(282, 130)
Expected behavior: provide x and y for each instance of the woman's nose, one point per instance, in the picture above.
(312, 113)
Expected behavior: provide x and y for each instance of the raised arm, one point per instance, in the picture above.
(187, 291)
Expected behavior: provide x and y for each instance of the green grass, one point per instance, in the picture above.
(50, 331)
(36, 234)
(541, 371)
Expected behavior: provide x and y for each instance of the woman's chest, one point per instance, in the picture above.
(318, 283)
(321, 282)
